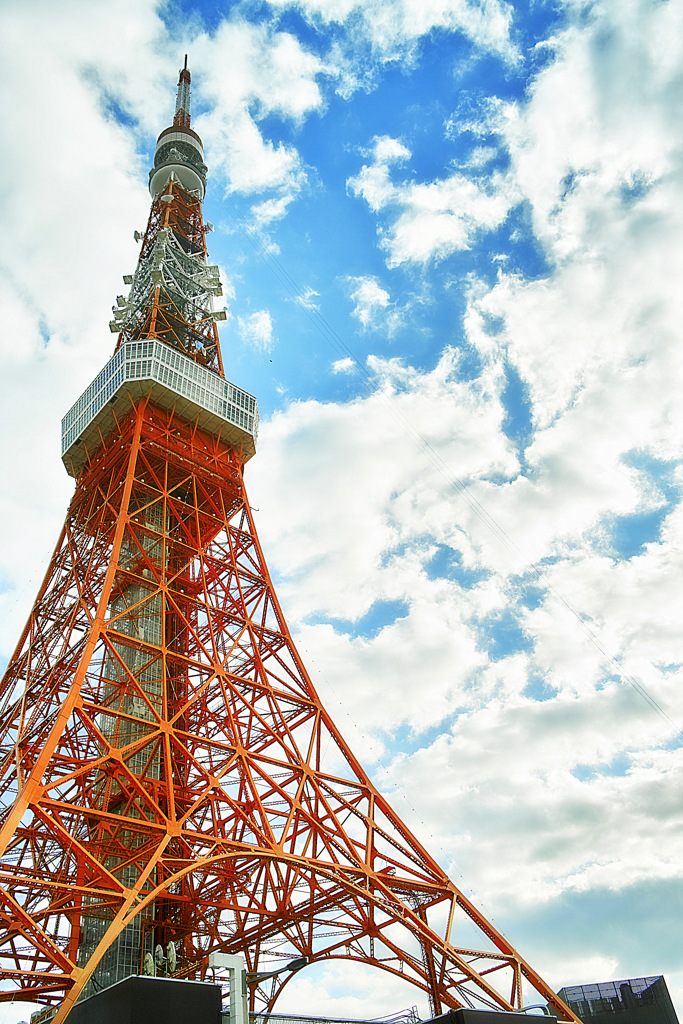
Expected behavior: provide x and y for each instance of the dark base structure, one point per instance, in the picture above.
(634, 1001)
(139, 1000)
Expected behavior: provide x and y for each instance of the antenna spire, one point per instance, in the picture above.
(182, 103)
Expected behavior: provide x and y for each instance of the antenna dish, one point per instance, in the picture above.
(166, 198)
(171, 958)
(159, 955)
(148, 965)
(137, 236)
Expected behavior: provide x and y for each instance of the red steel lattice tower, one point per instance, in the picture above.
(170, 782)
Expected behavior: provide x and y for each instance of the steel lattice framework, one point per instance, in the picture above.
(168, 772)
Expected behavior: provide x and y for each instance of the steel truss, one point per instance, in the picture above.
(173, 287)
(168, 773)
(166, 759)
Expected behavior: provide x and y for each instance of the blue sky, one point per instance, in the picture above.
(450, 235)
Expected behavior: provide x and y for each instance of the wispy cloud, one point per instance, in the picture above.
(430, 220)
(373, 307)
(256, 330)
(394, 27)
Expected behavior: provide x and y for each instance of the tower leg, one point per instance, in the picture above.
(181, 771)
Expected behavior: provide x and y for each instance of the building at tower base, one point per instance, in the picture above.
(633, 1001)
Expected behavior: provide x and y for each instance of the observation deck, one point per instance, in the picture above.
(173, 381)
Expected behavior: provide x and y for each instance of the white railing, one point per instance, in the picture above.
(156, 361)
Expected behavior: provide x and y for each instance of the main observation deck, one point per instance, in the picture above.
(173, 381)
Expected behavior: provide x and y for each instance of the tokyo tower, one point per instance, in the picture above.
(170, 783)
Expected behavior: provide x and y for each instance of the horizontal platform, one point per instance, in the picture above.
(173, 381)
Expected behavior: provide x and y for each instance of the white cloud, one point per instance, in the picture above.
(429, 221)
(373, 182)
(271, 210)
(256, 330)
(269, 73)
(387, 150)
(249, 162)
(587, 802)
(58, 277)
(372, 524)
(440, 217)
(343, 365)
(370, 298)
(307, 300)
(481, 156)
(394, 26)
(394, 506)
(372, 305)
(479, 115)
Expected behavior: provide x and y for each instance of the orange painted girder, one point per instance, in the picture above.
(162, 743)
